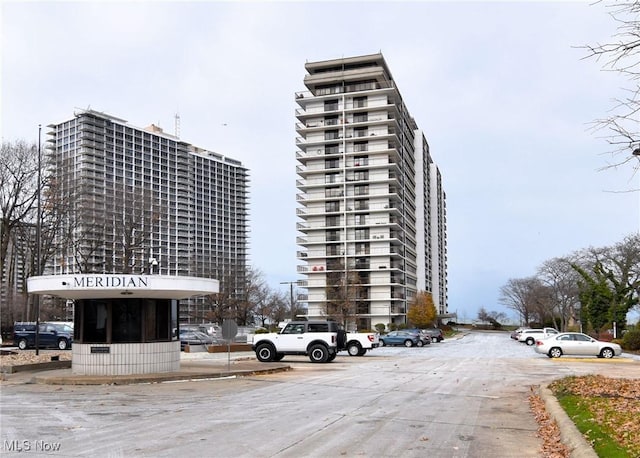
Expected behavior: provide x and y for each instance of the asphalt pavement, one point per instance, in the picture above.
(193, 366)
(202, 365)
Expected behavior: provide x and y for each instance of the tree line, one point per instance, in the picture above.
(590, 289)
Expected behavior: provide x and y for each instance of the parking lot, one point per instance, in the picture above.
(465, 397)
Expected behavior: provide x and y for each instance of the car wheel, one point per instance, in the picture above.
(318, 354)
(354, 349)
(555, 352)
(265, 353)
(408, 343)
(62, 344)
(22, 344)
(382, 344)
(420, 343)
(331, 357)
(530, 341)
(606, 353)
(362, 352)
(278, 357)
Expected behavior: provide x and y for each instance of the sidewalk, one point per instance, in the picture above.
(193, 366)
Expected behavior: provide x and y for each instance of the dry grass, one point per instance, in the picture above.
(614, 404)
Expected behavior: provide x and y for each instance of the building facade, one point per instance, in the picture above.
(371, 204)
(139, 200)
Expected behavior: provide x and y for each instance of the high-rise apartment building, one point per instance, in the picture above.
(371, 200)
(134, 200)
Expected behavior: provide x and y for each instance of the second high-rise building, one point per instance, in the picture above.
(371, 202)
(140, 200)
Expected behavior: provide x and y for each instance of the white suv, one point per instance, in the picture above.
(529, 336)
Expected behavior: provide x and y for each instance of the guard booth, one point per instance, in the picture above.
(124, 324)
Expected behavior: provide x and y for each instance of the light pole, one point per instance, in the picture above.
(38, 235)
(636, 153)
(290, 283)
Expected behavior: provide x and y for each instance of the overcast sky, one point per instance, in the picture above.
(500, 89)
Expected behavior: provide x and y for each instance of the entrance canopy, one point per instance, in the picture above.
(99, 286)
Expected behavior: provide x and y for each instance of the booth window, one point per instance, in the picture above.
(125, 320)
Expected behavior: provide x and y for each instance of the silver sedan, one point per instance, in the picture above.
(576, 343)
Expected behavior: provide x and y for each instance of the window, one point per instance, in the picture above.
(361, 176)
(331, 121)
(362, 234)
(332, 250)
(329, 89)
(332, 235)
(331, 134)
(126, 320)
(318, 327)
(331, 105)
(360, 117)
(333, 192)
(360, 146)
(362, 248)
(332, 220)
(362, 204)
(359, 161)
(361, 190)
(331, 149)
(293, 329)
(360, 131)
(331, 178)
(331, 163)
(360, 102)
(333, 206)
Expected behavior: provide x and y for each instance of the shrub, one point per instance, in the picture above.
(631, 340)
(380, 327)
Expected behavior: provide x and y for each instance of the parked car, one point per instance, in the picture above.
(576, 343)
(516, 333)
(529, 336)
(435, 334)
(50, 335)
(405, 338)
(189, 337)
(207, 328)
(425, 338)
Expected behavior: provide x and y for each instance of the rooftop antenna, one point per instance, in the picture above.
(177, 125)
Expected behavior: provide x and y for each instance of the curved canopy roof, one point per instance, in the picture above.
(98, 286)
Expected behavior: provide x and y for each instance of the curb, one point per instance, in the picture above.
(569, 434)
(152, 378)
(36, 367)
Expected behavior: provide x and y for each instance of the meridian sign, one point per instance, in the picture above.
(110, 281)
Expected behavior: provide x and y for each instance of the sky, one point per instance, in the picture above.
(502, 91)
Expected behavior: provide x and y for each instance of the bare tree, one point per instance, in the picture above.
(272, 308)
(622, 55)
(528, 297)
(343, 291)
(562, 281)
(494, 318)
(18, 190)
